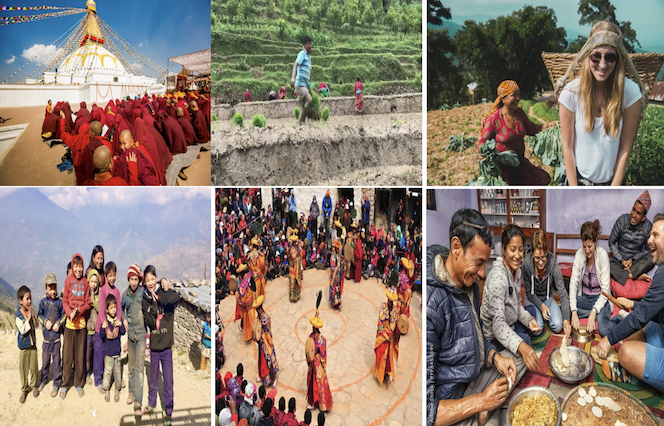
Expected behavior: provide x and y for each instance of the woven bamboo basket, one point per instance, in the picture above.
(648, 66)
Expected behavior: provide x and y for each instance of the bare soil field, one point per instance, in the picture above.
(377, 149)
(457, 168)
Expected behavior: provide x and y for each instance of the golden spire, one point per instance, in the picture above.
(92, 33)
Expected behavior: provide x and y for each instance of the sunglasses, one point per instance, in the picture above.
(610, 58)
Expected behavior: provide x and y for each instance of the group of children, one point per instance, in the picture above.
(87, 321)
(238, 403)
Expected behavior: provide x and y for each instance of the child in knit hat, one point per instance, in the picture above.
(51, 316)
(132, 307)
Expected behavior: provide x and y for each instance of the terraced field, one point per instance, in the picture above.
(261, 58)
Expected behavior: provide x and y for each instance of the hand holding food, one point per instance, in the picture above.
(529, 356)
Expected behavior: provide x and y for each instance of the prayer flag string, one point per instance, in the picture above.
(7, 20)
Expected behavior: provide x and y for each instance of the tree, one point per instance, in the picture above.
(351, 13)
(270, 9)
(232, 7)
(392, 19)
(334, 15)
(437, 12)
(246, 8)
(592, 11)
(576, 45)
(509, 48)
(444, 81)
(369, 16)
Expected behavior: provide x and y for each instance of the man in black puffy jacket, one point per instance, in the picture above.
(465, 383)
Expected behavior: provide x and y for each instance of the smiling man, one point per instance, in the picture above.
(642, 353)
(465, 383)
(629, 243)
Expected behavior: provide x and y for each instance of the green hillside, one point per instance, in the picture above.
(378, 41)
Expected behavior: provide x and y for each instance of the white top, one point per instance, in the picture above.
(602, 264)
(595, 153)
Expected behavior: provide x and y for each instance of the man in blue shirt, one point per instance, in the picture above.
(300, 78)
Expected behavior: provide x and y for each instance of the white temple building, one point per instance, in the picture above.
(91, 73)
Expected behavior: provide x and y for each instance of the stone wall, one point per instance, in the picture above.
(338, 105)
(189, 317)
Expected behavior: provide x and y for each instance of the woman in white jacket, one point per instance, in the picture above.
(590, 277)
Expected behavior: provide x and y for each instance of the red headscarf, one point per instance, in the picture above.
(504, 89)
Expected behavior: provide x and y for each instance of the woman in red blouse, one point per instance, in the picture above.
(508, 125)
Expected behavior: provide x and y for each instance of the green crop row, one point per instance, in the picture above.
(232, 91)
(357, 59)
(541, 110)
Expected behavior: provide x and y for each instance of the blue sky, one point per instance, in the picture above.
(645, 15)
(158, 29)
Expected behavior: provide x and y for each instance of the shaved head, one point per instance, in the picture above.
(193, 105)
(102, 159)
(179, 112)
(95, 128)
(126, 140)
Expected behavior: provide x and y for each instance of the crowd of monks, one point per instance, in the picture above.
(129, 142)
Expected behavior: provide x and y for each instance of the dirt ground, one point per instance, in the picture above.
(358, 398)
(349, 150)
(452, 167)
(30, 162)
(191, 396)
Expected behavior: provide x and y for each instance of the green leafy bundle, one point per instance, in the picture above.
(238, 119)
(490, 165)
(258, 120)
(547, 145)
(460, 143)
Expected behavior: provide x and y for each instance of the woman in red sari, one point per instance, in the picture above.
(508, 124)
(318, 388)
(359, 99)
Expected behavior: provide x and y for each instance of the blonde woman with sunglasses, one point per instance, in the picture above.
(599, 112)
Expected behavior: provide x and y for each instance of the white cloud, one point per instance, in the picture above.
(10, 60)
(75, 196)
(140, 44)
(43, 53)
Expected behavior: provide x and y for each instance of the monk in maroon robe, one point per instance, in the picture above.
(83, 111)
(77, 143)
(187, 128)
(87, 156)
(103, 174)
(119, 125)
(69, 122)
(148, 117)
(200, 124)
(50, 127)
(145, 138)
(172, 132)
(145, 167)
(80, 121)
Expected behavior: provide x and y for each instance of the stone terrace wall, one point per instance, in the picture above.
(189, 317)
(338, 105)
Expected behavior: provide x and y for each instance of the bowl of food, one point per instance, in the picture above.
(535, 405)
(582, 335)
(599, 404)
(580, 364)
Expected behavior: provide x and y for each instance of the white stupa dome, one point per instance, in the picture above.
(91, 57)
